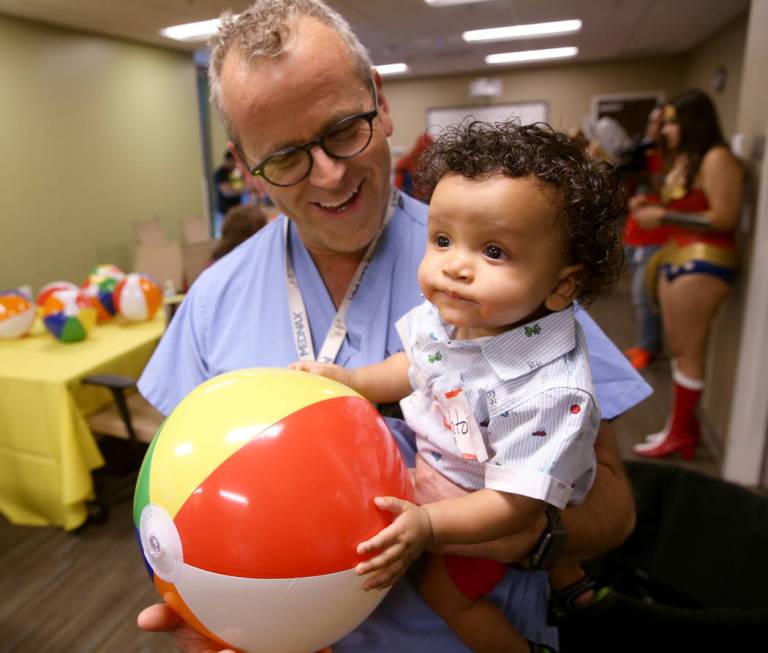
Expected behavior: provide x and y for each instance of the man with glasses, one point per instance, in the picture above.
(309, 123)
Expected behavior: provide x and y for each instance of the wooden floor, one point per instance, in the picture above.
(80, 592)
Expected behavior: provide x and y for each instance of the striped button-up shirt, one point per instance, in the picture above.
(530, 393)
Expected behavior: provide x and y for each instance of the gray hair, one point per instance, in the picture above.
(263, 30)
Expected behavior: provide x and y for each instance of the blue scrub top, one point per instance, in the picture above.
(237, 315)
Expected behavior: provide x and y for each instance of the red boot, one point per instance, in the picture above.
(682, 431)
(639, 358)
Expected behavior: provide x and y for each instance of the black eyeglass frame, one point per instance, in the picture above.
(368, 116)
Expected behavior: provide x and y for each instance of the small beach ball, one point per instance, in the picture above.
(52, 288)
(100, 285)
(107, 270)
(17, 313)
(69, 315)
(251, 501)
(138, 296)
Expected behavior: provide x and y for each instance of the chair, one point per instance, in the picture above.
(123, 430)
(131, 417)
(690, 577)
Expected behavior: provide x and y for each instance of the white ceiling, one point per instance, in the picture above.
(427, 38)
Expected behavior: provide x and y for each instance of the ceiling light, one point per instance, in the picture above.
(532, 55)
(192, 31)
(448, 3)
(392, 68)
(522, 31)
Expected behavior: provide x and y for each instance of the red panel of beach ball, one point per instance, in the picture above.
(53, 288)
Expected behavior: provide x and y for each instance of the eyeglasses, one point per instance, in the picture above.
(342, 140)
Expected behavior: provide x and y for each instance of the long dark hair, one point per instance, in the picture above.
(699, 128)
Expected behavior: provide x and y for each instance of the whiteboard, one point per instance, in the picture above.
(526, 112)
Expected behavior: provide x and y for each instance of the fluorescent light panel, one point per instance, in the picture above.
(192, 31)
(392, 68)
(448, 3)
(532, 55)
(533, 30)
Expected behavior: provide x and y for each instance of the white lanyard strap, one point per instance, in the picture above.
(302, 335)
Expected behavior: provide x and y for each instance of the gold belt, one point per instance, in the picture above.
(673, 254)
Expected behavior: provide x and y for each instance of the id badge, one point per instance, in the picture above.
(458, 418)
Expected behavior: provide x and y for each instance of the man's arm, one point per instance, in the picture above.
(607, 516)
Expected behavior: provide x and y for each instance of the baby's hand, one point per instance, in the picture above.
(328, 370)
(399, 544)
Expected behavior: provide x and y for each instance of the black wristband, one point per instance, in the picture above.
(551, 541)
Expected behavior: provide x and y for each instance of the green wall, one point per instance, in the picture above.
(219, 139)
(95, 133)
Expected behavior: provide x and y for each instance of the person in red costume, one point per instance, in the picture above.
(693, 272)
(642, 244)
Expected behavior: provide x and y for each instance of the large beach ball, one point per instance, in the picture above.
(53, 288)
(138, 296)
(100, 286)
(251, 501)
(16, 314)
(69, 315)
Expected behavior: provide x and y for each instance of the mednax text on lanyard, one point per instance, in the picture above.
(302, 333)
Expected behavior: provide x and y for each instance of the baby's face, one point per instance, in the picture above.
(493, 259)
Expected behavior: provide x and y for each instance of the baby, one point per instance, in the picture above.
(495, 377)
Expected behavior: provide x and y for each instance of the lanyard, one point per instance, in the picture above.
(300, 322)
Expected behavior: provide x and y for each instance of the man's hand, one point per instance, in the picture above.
(399, 544)
(159, 618)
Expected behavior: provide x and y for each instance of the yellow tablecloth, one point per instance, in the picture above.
(47, 450)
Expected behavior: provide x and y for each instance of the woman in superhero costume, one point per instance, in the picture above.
(693, 273)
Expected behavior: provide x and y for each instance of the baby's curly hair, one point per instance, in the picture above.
(592, 203)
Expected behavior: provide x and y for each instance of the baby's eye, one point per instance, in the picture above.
(494, 252)
(441, 240)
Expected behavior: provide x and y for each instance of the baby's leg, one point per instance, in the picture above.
(479, 624)
(568, 574)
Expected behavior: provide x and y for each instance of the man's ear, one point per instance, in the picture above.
(254, 182)
(564, 291)
(384, 117)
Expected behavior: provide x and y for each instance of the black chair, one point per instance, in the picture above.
(693, 575)
(123, 430)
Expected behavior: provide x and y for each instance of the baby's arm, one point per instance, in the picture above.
(382, 383)
(477, 517)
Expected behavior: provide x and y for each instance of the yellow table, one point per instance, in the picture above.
(47, 451)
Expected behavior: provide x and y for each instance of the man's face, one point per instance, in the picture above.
(293, 98)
